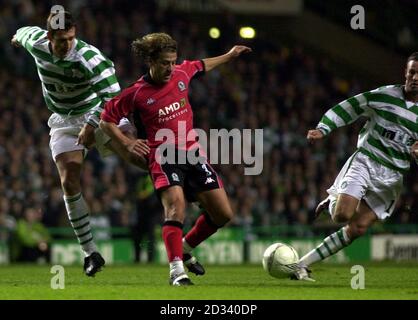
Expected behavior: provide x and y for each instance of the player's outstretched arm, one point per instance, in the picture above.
(314, 135)
(128, 146)
(236, 51)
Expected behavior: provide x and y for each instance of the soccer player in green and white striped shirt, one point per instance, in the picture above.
(77, 79)
(369, 184)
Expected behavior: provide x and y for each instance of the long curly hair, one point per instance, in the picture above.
(150, 46)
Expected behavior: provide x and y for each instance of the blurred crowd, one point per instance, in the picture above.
(281, 89)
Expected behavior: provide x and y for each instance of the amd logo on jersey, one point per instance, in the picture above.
(171, 108)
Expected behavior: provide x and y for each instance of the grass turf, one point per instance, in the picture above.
(150, 282)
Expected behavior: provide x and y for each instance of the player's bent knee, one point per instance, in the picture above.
(228, 215)
(69, 172)
(225, 217)
(339, 218)
(341, 215)
(70, 184)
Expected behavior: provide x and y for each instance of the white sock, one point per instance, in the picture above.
(176, 267)
(331, 245)
(186, 247)
(79, 216)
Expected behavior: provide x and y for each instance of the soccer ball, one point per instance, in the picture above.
(279, 260)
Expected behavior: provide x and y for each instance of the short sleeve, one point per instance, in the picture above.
(192, 68)
(118, 107)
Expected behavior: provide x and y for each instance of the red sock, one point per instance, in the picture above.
(202, 229)
(172, 236)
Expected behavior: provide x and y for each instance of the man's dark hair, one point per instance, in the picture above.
(413, 57)
(150, 47)
(68, 22)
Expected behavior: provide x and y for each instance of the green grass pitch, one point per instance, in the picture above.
(386, 280)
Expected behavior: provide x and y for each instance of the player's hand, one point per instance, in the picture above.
(14, 42)
(414, 150)
(236, 51)
(86, 136)
(138, 147)
(314, 135)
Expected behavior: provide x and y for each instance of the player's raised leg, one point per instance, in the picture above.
(362, 218)
(174, 211)
(342, 211)
(217, 206)
(69, 168)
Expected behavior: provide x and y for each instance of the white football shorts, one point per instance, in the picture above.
(363, 178)
(64, 132)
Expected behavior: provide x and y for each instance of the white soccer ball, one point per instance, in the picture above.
(279, 260)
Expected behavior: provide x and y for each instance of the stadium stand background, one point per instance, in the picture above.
(283, 87)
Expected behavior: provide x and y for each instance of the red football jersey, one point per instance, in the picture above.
(164, 106)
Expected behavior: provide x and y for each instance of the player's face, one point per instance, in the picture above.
(162, 68)
(411, 77)
(62, 41)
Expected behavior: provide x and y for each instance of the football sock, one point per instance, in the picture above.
(172, 236)
(79, 216)
(202, 229)
(331, 245)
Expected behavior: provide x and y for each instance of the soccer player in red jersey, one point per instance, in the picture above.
(159, 100)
